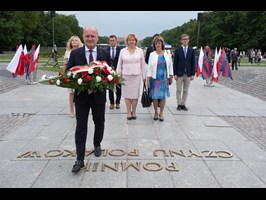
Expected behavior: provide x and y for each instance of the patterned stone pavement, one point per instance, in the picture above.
(8, 83)
(248, 80)
(251, 81)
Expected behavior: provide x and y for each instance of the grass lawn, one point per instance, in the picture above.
(49, 68)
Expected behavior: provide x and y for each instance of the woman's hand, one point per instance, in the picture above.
(148, 82)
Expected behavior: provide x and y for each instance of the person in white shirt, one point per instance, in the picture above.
(73, 43)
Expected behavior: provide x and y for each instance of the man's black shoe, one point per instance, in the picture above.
(184, 108)
(78, 165)
(179, 107)
(97, 151)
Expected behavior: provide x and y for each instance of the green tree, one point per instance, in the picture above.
(10, 30)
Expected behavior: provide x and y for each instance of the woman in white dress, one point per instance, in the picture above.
(73, 43)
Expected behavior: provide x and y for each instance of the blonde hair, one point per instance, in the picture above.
(131, 35)
(69, 46)
(184, 35)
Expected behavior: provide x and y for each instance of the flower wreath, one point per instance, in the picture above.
(98, 76)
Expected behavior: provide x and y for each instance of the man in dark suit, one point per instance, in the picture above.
(86, 100)
(114, 51)
(150, 48)
(184, 71)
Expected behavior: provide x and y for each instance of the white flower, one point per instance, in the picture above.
(68, 74)
(110, 77)
(90, 70)
(44, 77)
(79, 81)
(98, 79)
(58, 82)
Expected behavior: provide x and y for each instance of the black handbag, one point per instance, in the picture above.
(145, 100)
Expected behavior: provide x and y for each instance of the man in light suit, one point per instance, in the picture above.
(184, 71)
(86, 100)
(114, 51)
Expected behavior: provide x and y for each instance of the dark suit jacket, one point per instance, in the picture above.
(115, 61)
(78, 57)
(148, 52)
(184, 65)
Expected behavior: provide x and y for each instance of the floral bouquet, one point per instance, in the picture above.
(97, 77)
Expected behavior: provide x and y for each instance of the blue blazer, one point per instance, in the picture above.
(184, 65)
(78, 57)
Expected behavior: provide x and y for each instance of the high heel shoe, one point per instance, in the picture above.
(155, 117)
(133, 117)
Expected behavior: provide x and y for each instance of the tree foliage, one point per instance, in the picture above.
(36, 27)
(241, 29)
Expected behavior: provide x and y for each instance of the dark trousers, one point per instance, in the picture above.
(234, 64)
(118, 95)
(82, 114)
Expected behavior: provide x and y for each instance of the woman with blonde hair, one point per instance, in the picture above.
(73, 43)
(131, 65)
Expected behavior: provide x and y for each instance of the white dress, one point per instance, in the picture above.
(66, 58)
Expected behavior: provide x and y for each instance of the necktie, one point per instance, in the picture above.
(113, 53)
(90, 60)
(90, 56)
(185, 51)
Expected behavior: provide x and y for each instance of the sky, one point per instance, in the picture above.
(142, 23)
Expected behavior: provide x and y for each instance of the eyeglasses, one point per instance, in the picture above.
(185, 39)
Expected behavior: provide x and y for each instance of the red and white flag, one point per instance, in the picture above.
(200, 62)
(34, 60)
(12, 66)
(216, 68)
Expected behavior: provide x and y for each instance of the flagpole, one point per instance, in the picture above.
(53, 28)
(198, 35)
(53, 16)
(200, 15)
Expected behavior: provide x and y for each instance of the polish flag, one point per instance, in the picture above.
(35, 59)
(12, 66)
(216, 68)
(200, 62)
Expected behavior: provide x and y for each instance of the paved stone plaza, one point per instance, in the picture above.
(219, 142)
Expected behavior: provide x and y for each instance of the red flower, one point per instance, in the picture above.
(87, 78)
(105, 79)
(66, 80)
(116, 80)
(106, 71)
(98, 71)
(84, 74)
